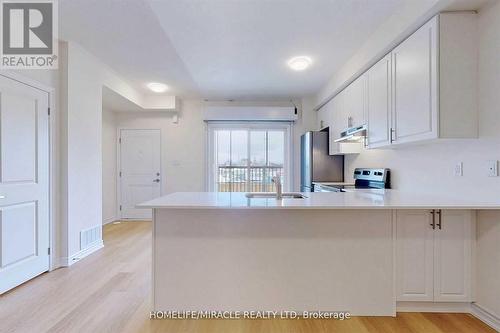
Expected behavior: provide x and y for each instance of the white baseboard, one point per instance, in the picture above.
(109, 220)
(450, 307)
(486, 316)
(68, 261)
(477, 311)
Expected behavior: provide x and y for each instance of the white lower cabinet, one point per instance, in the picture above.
(414, 255)
(434, 255)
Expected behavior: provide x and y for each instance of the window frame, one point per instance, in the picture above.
(211, 168)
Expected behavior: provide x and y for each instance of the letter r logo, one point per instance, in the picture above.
(27, 28)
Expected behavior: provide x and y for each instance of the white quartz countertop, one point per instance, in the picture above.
(353, 199)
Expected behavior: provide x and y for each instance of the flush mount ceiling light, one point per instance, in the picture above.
(299, 63)
(157, 87)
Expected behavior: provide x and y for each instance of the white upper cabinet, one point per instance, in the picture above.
(323, 117)
(415, 92)
(355, 103)
(424, 89)
(432, 85)
(339, 122)
(379, 103)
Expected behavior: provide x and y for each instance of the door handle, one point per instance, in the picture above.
(156, 181)
(439, 219)
(433, 224)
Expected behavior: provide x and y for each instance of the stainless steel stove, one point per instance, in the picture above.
(364, 178)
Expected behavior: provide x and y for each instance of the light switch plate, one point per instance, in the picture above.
(459, 169)
(493, 168)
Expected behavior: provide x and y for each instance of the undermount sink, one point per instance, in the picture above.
(286, 195)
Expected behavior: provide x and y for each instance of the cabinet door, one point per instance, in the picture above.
(379, 103)
(339, 120)
(354, 103)
(336, 123)
(414, 255)
(414, 61)
(322, 118)
(453, 256)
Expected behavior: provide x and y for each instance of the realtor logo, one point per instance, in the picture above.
(28, 37)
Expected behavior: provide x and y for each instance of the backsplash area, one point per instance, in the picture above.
(430, 167)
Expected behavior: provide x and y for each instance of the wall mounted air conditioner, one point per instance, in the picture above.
(250, 113)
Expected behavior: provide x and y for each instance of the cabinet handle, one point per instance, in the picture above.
(433, 224)
(439, 219)
(393, 131)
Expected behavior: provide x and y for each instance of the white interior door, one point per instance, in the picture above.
(24, 183)
(140, 167)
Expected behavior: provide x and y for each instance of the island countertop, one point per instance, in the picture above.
(354, 199)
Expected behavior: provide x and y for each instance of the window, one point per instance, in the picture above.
(245, 157)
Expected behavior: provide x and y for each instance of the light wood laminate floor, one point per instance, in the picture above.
(109, 292)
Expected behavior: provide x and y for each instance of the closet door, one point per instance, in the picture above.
(24, 183)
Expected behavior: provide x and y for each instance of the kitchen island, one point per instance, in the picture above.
(326, 252)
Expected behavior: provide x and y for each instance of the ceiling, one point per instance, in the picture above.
(223, 49)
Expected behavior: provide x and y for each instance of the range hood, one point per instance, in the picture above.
(353, 134)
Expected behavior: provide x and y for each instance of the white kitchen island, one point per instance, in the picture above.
(327, 252)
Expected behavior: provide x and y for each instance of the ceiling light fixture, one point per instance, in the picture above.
(157, 87)
(299, 63)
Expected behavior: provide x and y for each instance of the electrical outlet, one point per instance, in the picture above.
(493, 168)
(459, 169)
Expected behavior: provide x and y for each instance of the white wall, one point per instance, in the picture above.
(109, 142)
(488, 262)
(429, 167)
(82, 78)
(182, 144)
(488, 254)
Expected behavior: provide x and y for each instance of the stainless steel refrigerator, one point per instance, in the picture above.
(315, 163)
